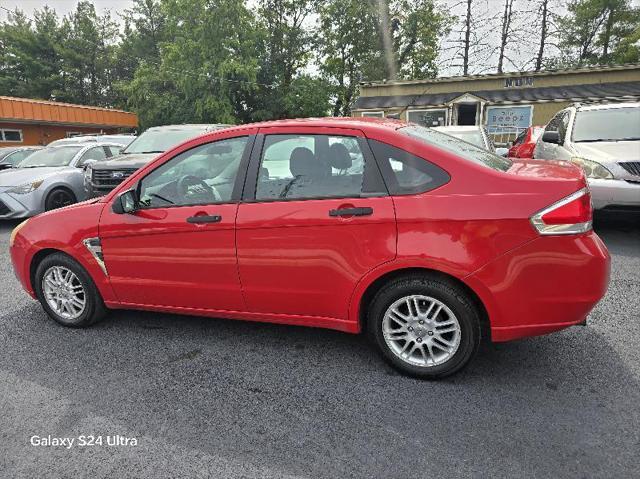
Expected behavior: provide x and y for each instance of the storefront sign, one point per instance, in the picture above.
(518, 82)
(508, 117)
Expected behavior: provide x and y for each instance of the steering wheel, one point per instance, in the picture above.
(190, 188)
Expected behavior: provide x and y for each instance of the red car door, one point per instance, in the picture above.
(178, 250)
(315, 218)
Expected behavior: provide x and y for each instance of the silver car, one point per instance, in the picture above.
(605, 141)
(49, 178)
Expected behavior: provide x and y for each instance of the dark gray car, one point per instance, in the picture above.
(101, 178)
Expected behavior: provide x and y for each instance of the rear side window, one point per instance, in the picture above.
(404, 173)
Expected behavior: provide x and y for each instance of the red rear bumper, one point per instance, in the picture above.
(548, 284)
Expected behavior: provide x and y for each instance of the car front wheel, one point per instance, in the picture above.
(67, 292)
(425, 327)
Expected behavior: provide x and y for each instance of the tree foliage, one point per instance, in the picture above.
(235, 61)
(600, 32)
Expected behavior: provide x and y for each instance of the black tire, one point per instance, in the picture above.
(58, 198)
(94, 309)
(448, 293)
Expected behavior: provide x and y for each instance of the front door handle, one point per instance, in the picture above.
(362, 211)
(204, 219)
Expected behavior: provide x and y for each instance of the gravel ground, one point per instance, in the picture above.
(216, 398)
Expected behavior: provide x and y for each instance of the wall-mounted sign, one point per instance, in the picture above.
(500, 118)
(518, 82)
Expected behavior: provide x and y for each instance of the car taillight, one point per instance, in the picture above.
(570, 215)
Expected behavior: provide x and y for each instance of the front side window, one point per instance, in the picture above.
(92, 154)
(203, 175)
(52, 156)
(313, 166)
(458, 147)
(405, 173)
(613, 124)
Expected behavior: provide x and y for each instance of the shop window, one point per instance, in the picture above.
(11, 135)
(434, 117)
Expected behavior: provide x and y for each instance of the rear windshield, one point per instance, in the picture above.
(159, 141)
(461, 148)
(615, 124)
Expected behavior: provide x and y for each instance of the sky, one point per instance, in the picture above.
(448, 65)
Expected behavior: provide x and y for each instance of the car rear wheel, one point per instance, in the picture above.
(425, 327)
(67, 292)
(58, 198)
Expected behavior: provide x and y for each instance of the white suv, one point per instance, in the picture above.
(605, 141)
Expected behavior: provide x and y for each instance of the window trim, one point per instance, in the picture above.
(251, 181)
(15, 130)
(236, 192)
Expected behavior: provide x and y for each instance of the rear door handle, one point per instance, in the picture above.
(363, 211)
(204, 219)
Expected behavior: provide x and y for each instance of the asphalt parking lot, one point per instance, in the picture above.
(219, 398)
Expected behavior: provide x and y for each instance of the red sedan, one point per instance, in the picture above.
(425, 242)
(525, 142)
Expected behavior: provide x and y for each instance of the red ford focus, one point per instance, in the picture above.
(424, 241)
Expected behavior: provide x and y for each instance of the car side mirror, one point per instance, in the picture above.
(551, 137)
(88, 163)
(126, 203)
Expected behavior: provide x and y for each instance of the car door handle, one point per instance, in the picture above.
(204, 219)
(363, 211)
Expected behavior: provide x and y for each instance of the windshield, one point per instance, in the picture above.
(159, 141)
(52, 156)
(465, 150)
(614, 124)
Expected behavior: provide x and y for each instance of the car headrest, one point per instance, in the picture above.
(304, 163)
(339, 156)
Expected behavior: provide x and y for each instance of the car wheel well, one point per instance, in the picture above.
(63, 188)
(374, 287)
(37, 259)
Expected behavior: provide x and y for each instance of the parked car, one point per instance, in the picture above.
(12, 155)
(477, 135)
(101, 179)
(49, 178)
(605, 141)
(430, 245)
(525, 142)
(122, 140)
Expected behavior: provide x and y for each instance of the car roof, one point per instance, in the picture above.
(607, 106)
(86, 144)
(190, 126)
(330, 122)
(23, 147)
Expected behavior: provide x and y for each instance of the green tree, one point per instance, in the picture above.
(29, 61)
(349, 44)
(598, 32)
(207, 67)
(284, 47)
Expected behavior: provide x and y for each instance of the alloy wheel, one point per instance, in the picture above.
(63, 292)
(421, 330)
